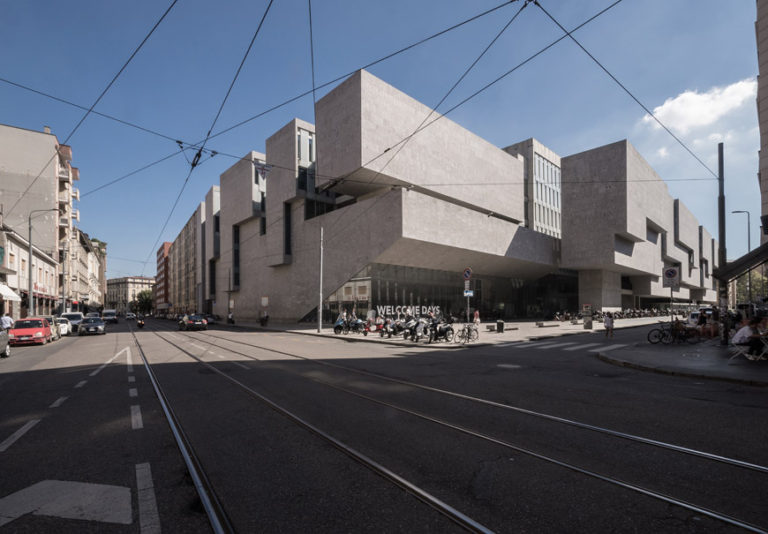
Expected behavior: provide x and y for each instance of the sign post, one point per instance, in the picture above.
(671, 279)
(467, 274)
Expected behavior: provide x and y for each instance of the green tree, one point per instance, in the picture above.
(759, 287)
(144, 301)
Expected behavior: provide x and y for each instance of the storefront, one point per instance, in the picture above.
(390, 290)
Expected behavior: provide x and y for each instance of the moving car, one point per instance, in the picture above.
(64, 327)
(30, 331)
(5, 344)
(74, 319)
(92, 325)
(55, 332)
(193, 322)
(92, 314)
(109, 316)
(130, 316)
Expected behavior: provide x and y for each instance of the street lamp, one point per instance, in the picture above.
(749, 249)
(30, 288)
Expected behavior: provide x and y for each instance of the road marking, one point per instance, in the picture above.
(509, 366)
(133, 392)
(128, 359)
(16, 435)
(531, 344)
(149, 518)
(195, 345)
(81, 384)
(58, 402)
(556, 345)
(69, 500)
(583, 346)
(137, 422)
(103, 365)
(131, 379)
(609, 347)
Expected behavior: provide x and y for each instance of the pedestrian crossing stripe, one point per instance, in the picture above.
(609, 347)
(583, 346)
(556, 345)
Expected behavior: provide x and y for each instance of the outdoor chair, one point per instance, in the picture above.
(743, 350)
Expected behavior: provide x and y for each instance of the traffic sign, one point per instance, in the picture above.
(467, 273)
(469, 293)
(466, 284)
(671, 278)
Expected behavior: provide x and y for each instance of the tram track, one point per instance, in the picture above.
(618, 482)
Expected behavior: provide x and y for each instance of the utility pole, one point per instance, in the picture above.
(722, 284)
(320, 298)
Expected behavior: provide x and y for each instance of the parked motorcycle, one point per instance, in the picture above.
(441, 330)
(341, 326)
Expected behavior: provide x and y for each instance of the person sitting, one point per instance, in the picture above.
(749, 335)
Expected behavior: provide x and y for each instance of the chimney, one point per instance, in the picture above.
(47, 129)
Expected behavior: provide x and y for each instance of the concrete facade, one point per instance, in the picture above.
(121, 292)
(162, 281)
(619, 219)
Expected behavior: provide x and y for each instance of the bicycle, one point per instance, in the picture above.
(680, 332)
(467, 333)
(657, 334)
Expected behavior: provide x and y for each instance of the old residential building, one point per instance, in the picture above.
(121, 292)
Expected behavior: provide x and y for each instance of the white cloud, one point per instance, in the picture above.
(691, 110)
(662, 152)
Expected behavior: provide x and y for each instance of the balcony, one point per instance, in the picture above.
(76, 215)
(65, 196)
(65, 152)
(64, 222)
(64, 174)
(75, 173)
(76, 193)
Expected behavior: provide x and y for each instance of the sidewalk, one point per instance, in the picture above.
(706, 360)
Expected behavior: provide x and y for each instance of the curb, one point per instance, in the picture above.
(659, 370)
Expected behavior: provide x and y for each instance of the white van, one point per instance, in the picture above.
(109, 316)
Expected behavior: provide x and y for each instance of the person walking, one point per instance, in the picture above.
(608, 323)
(6, 322)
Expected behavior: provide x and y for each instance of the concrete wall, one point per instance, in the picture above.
(444, 160)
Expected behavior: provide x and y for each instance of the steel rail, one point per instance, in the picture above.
(218, 518)
(485, 437)
(577, 424)
(451, 513)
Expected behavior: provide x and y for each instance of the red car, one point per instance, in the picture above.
(31, 330)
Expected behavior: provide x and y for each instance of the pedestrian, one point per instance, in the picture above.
(476, 319)
(608, 323)
(230, 318)
(6, 322)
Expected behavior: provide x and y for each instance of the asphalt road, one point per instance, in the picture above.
(519, 438)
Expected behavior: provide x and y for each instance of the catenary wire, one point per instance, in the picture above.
(196, 160)
(645, 108)
(104, 92)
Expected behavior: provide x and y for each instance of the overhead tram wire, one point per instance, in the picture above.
(290, 100)
(454, 86)
(649, 112)
(196, 161)
(103, 93)
(484, 88)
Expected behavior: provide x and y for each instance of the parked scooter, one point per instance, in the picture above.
(341, 326)
(441, 330)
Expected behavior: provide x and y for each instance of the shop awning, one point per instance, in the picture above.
(6, 293)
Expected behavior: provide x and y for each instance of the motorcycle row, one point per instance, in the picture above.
(428, 328)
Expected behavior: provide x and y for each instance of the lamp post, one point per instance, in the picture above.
(749, 249)
(30, 288)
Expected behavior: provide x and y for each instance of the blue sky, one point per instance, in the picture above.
(691, 61)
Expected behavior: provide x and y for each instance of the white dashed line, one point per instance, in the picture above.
(133, 392)
(609, 347)
(81, 384)
(531, 344)
(241, 365)
(583, 346)
(556, 345)
(136, 421)
(149, 518)
(58, 402)
(131, 379)
(16, 435)
(196, 346)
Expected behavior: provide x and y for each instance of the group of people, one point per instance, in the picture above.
(752, 334)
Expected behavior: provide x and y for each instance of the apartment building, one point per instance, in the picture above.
(122, 292)
(162, 280)
(185, 285)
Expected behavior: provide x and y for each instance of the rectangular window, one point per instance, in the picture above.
(263, 226)
(298, 146)
(236, 256)
(287, 229)
(311, 148)
(12, 260)
(212, 278)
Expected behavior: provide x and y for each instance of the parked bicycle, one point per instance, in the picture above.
(467, 333)
(677, 331)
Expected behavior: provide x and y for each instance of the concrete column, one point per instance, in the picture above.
(601, 289)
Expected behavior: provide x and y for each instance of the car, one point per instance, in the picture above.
(55, 332)
(130, 316)
(5, 344)
(211, 319)
(92, 325)
(193, 322)
(109, 316)
(64, 327)
(30, 331)
(92, 314)
(74, 319)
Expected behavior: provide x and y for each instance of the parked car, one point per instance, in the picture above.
(211, 319)
(5, 344)
(92, 325)
(130, 316)
(74, 319)
(193, 322)
(109, 316)
(30, 331)
(55, 332)
(64, 327)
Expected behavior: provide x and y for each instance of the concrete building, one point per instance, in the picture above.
(182, 267)
(622, 229)
(121, 292)
(162, 281)
(542, 180)
(761, 37)
(88, 263)
(401, 221)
